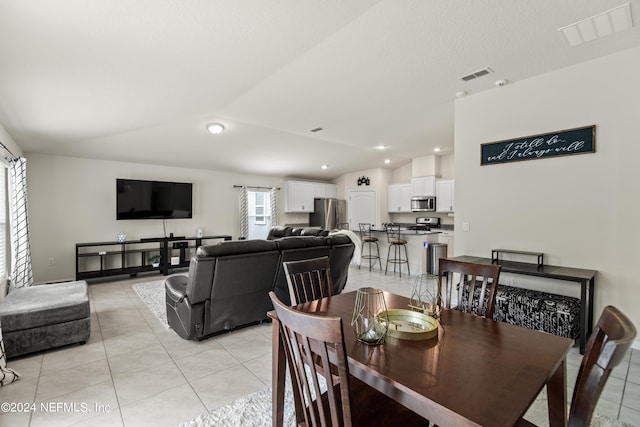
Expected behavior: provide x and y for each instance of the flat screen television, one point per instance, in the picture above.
(138, 199)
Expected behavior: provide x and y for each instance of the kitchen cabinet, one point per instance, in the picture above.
(298, 196)
(325, 190)
(399, 198)
(423, 186)
(445, 195)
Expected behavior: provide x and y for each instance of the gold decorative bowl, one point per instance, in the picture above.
(410, 325)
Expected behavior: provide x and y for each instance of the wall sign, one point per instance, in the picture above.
(553, 144)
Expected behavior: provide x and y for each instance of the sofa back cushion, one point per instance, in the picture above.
(240, 290)
(236, 247)
(296, 249)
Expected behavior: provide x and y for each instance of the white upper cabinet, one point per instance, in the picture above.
(445, 195)
(325, 190)
(423, 186)
(399, 198)
(298, 196)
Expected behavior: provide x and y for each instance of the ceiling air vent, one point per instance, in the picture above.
(477, 74)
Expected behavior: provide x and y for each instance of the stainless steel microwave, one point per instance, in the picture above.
(423, 204)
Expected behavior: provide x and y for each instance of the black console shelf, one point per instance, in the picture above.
(103, 259)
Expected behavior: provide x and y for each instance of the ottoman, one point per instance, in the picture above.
(45, 316)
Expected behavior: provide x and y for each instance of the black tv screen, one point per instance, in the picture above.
(137, 199)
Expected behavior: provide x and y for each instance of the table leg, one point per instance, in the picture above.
(278, 367)
(557, 396)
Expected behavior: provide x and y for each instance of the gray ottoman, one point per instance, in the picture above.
(45, 316)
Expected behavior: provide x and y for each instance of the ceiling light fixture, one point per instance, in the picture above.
(601, 25)
(437, 149)
(324, 167)
(387, 161)
(215, 128)
(461, 94)
(381, 147)
(502, 82)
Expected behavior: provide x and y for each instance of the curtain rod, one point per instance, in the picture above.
(256, 187)
(13, 156)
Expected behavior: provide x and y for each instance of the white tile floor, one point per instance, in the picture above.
(134, 372)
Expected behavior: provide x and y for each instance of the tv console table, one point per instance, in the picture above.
(103, 259)
(585, 278)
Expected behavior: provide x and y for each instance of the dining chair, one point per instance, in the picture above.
(472, 277)
(308, 279)
(330, 396)
(607, 345)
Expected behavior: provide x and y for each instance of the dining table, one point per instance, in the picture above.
(475, 372)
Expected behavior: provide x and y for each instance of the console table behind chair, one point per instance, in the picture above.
(585, 278)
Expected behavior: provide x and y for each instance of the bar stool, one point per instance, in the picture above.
(395, 242)
(366, 237)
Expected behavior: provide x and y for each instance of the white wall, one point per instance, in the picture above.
(72, 200)
(579, 210)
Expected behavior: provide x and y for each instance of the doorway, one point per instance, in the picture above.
(362, 208)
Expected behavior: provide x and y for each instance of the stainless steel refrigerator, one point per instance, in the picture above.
(328, 213)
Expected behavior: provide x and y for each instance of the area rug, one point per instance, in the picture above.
(153, 295)
(254, 410)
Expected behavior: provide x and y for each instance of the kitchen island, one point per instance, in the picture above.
(416, 249)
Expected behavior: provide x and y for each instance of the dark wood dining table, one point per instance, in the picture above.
(475, 372)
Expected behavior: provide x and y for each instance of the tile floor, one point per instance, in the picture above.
(135, 372)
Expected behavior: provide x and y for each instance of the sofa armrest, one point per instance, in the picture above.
(176, 287)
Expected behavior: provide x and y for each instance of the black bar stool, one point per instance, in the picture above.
(395, 242)
(366, 237)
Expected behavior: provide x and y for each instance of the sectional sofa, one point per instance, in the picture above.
(228, 284)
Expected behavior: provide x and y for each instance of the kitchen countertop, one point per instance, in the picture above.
(409, 232)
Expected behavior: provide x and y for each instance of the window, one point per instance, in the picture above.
(259, 212)
(259, 208)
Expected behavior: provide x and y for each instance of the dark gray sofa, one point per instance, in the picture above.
(45, 316)
(228, 284)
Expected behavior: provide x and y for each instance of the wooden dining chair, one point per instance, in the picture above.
(607, 345)
(309, 279)
(471, 276)
(335, 398)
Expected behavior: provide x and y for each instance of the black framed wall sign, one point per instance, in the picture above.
(553, 144)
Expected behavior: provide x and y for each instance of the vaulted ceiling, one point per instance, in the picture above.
(138, 80)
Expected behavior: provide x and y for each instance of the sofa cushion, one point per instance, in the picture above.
(236, 247)
(278, 232)
(42, 305)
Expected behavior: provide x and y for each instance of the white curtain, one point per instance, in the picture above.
(21, 274)
(273, 193)
(244, 214)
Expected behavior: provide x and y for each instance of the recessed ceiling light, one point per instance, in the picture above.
(324, 167)
(437, 149)
(381, 147)
(461, 94)
(387, 161)
(501, 82)
(215, 128)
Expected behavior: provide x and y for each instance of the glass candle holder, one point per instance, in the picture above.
(369, 320)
